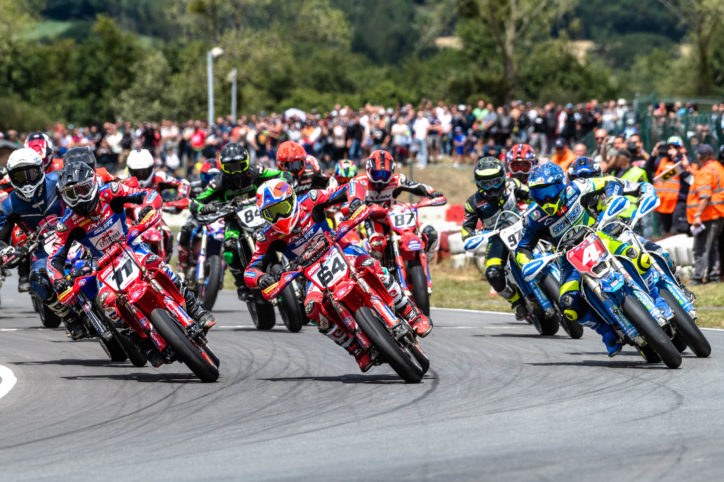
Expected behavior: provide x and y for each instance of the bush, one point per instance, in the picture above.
(19, 115)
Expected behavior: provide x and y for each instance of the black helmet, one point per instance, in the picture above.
(234, 158)
(585, 167)
(78, 187)
(82, 154)
(490, 178)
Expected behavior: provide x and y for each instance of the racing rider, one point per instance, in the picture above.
(383, 186)
(520, 160)
(495, 194)
(96, 216)
(559, 206)
(303, 169)
(32, 202)
(293, 226)
(238, 179)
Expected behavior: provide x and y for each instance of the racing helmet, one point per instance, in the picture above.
(380, 169)
(41, 143)
(489, 175)
(547, 186)
(140, 165)
(278, 205)
(583, 167)
(26, 172)
(520, 159)
(311, 168)
(234, 159)
(209, 170)
(78, 187)
(82, 154)
(291, 158)
(344, 171)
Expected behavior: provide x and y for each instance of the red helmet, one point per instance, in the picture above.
(291, 157)
(41, 143)
(521, 159)
(380, 168)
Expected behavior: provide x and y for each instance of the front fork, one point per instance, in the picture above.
(201, 260)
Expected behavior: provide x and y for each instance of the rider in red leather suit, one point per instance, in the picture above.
(303, 223)
(383, 186)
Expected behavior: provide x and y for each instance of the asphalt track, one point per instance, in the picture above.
(499, 403)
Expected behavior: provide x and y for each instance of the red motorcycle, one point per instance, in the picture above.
(402, 248)
(148, 301)
(357, 302)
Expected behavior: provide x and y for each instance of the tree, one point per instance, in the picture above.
(704, 18)
(512, 25)
(148, 97)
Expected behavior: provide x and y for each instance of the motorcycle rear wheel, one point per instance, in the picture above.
(209, 291)
(194, 358)
(659, 341)
(686, 327)
(262, 314)
(400, 361)
(289, 307)
(418, 279)
(553, 291)
(47, 317)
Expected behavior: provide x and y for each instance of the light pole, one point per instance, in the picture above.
(232, 78)
(210, 56)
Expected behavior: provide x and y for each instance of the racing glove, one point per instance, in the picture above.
(265, 281)
(62, 285)
(354, 205)
(143, 212)
(11, 256)
(208, 208)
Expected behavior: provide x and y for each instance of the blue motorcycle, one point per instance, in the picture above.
(613, 289)
(669, 287)
(540, 294)
(205, 276)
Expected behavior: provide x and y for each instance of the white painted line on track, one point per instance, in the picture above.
(464, 310)
(8, 329)
(7, 380)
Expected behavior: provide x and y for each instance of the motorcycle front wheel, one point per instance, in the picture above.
(418, 279)
(658, 340)
(392, 353)
(209, 290)
(686, 327)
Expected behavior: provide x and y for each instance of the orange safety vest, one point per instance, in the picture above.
(707, 183)
(564, 160)
(667, 189)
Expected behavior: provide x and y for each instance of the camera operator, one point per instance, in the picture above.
(672, 174)
(636, 147)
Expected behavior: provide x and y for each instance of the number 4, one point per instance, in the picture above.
(590, 254)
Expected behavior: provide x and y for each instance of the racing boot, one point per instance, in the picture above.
(613, 346)
(519, 309)
(149, 349)
(73, 326)
(194, 308)
(24, 275)
(340, 337)
(416, 318)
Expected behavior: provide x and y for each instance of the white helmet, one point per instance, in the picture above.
(26, 172)
(140, 164)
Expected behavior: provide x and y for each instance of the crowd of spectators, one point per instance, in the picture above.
(430, 132)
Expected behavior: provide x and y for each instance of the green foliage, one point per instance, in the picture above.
(22, 116)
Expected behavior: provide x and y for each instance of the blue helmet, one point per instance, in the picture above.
(547, 185)
(583, 167)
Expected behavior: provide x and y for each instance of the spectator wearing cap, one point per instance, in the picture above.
(672, 174)
(621, 166)
(705, 212)
(562, 155)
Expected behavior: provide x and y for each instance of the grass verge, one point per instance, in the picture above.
(463, 288)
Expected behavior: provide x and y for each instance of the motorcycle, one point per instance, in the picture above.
(357, 302)
(614, 289)
(540, 294)
(261, 310)
(670, 289)
(403, 249)
(146, 300)
(206, 271)
(116, 340)
(159, 238)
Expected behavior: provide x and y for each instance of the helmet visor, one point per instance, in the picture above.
(234, 166)
(382, 175)
(141, 174)
(278, 211)
(486, 184)
(546, 193)
(520, 166)
(75, 193)
(294, 167)
(25, 176)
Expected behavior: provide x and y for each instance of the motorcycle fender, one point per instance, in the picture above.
(137, 291)
(148, 327)
(344, 291)
(167, 285)
(376, 286)
(410, 242)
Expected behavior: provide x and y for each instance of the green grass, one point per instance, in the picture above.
(710, 296)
